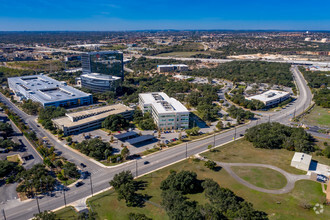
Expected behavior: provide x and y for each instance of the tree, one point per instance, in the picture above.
(124, 152)
(70, 170)
(219, 125)
(193, 132)
(6, 128)
(115, 123)
(210, 164)
(69, 140)
(45, 215)
(184, 181)
(327, 151)
(95, 148)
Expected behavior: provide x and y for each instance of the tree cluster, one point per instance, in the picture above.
(95, 148)
(239, 114)
(144, 121)
(126, 188)
(6, 129)
(48, 113)
(115, 123)
(242, 101)
(276, 136)
(224, 204)
(30, 107)
(193, 131)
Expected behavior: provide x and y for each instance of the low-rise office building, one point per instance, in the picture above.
(301, 161)
(100, 82)
(172, 67)
(271, 97)
(168, 113)
(48, 91)
(77, 122)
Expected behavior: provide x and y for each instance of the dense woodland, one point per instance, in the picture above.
(276, 136)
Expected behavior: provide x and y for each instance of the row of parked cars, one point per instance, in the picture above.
(174, 139)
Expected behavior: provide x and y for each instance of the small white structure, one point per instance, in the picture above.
(172, 67)
(301, 161)
(271, 97)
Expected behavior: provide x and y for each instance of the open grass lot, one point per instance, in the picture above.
(242, 151)
(286, 206)
(67, 213)
(261, 177)
(14, 158)
(319, 117)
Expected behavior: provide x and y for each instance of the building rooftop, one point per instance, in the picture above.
(86, 116)
(162, 102)
(170, 65)
(45, 89)
(99, 76)
(269, 95)
(302, 158)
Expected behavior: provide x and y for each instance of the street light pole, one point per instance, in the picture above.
(64, 196)
(90, 179)
(37, 203)
(4, 215)
(235, 134)
(136, 168)
(186, 150)
(214, 139)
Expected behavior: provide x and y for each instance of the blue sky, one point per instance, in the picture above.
(111, 15)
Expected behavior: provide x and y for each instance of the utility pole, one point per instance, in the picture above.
(235, 134)
(64, 196)
(214, 139)
(90, 179)
(294, 113)
(136, 168)
(37, 202)
(268, 118)
(4, 215)
(186, 150)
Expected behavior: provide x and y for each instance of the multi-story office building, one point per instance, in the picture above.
(99, 82)
(168, 113)
(172, 67)
(91, 119)
(271, 97)
(48, 91)
(104, 62)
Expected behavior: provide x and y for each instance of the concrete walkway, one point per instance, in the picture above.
(291, 178)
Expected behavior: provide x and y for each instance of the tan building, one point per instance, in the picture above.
(301, 161)
(87, 120)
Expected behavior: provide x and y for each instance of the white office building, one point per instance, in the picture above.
(168, 113)
(301, 161)
(48, 91)
(100, 82)
(271, 97)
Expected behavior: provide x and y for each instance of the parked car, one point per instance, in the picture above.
(167, 142)
(321, 178)
(80, 183)
(83, 165)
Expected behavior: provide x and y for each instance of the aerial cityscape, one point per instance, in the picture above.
(164, 110)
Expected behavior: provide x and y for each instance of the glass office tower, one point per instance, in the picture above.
(104, 62)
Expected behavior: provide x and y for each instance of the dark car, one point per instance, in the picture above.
(83, 165)
(167, 142)
(85, 174)
(146, 162)
(79, 184)
(241, 135)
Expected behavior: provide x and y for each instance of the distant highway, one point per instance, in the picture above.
(101, 176)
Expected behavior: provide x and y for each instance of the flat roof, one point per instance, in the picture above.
(269, 95)
(302, 158)
(99, 76)
(162, 102)
(140, 139)
(174, 65)
(125, 135)
(87, 116)
(45, 89)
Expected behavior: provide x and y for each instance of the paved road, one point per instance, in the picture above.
(101, 176)
(291, 178)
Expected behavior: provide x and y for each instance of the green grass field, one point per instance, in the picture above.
(67, 213)
(286, 206)
(319, 117)
(242, 151)
(262, 177)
